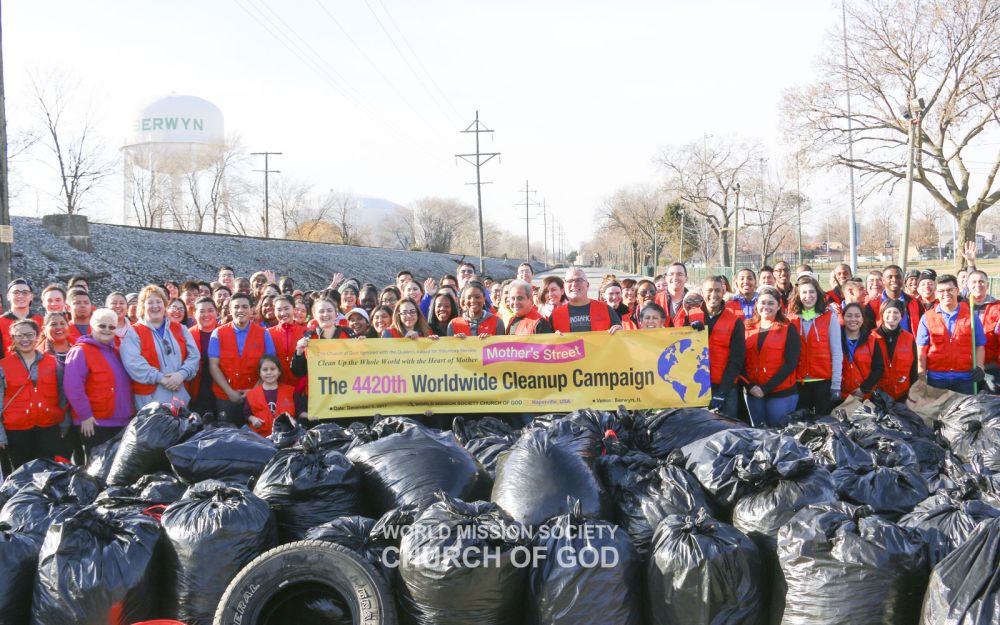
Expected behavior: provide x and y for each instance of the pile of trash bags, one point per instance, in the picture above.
(874, 514)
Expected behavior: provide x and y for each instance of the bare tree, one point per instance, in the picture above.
(399, 230)
(81, 159)
(944, 51)
(704, 175)
(290, 199)
(435, 219)
(208, 189)
(639, 213)
(343, 212)
(147, 197)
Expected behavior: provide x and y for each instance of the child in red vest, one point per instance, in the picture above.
(269, 398)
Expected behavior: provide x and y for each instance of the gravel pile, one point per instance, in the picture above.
(125, 258)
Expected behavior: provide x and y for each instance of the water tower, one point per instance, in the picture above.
(170, 138)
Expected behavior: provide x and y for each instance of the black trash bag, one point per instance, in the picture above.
(286, 431)
(445, 576)
(332, 436)
(98, 567)
(146, 438)
(928, 455)
(889, 482)
(776, 498)
(18, 564)
(881, 412)
(586, 571)
(703, 572)
(356, 533)
(102, 457)
(841, 566)
(581, 438)
(155, 489)
(25, 474)
(212, 534)
(308, 488)
(730, 463)
(386, 426)
(487, 450)
(829, 443)
(410, 467)
(964, 588)
(466, 430)
(49, 498)
(971, 425)
(646, 490)
(947, 521)
(661, 432)
(542, 475)
(233, 455)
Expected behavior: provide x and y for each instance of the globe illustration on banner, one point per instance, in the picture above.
(669, 359)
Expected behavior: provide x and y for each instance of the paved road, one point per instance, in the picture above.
(594, 276)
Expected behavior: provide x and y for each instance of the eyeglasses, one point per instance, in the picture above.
(24, 337)
(105, 326)
(407, 313)
(575, 280)
(647, 293)
(20, 292)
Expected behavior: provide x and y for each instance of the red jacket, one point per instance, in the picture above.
(240, 370)
(599, 317)
(991, 319)
(860, 367)
(718, 343)
(26, 403)
(762, 364)
(285, 336)
(261, 409)
(815, 361)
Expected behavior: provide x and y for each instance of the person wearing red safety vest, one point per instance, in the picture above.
(234, 351)
(726, 348)
(821, 359)
(326, 313)
(35, 419)
(988, 310)
(899, 350)
(159, 354)
(772, 347)
(206, 317)
(285, 336)
(19, 295)
(744, 303)
(951, 341)
(925, 299)
(475, 319)
(840, 275)
(863, 362)
(580, 313)
(645, 293)
(80, 309)
(671, 299)
(269, 398)
(525, 320)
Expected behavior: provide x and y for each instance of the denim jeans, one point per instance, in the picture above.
(959, 386)
(771, 411)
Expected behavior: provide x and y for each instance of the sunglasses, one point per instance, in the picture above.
(105, 326)
(647, 293)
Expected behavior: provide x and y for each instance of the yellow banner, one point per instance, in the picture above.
(664, 368)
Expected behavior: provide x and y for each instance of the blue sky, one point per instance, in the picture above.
(581, 94)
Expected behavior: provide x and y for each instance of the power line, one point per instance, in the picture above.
(267, 170)
(528, 203)
(481, 159)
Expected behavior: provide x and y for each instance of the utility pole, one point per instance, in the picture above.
(850, 149)
(545, 236)
(680, 255)
(736, 229)
(913, 115)
(555, 257)
(267, 199)
(6, 233)
(528, 203)
(480, 160)
(762, 207)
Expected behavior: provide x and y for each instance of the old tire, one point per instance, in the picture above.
(307, 582)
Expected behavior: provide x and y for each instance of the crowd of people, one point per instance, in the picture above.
(73, 376)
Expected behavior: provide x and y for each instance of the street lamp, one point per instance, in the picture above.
(736, 227)
(914, 114)
(680, 256)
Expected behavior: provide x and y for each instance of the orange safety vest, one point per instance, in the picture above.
(240, 370)
(991, 318)
(895, 378)
(460, 325)
(284, 347)
(100, 383)
(815, 359)
(527, 324)
(949, 352)
(855, 371)
(72, 334)
(261, 409)
(718, 343)
(6, 321)
(599, 317)
(147, 347)
(763, 363)
(28, 404)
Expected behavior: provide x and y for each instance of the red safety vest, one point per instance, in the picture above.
(718, 342)
(949, 352)
(240, 370)
(991, 318)
(915, 308)
(284, 340)
(815, 359)
(261, 409)
(147, 347)
(599, 317)
(72, 334)
(100, 383)
(194, 384)
(460, 325)
(855, 371)
(7, 319)
(895, 378)
(26, 404)
(763, 363)
(527, 324)
(663, 299)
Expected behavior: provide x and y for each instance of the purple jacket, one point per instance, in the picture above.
(75, 375)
